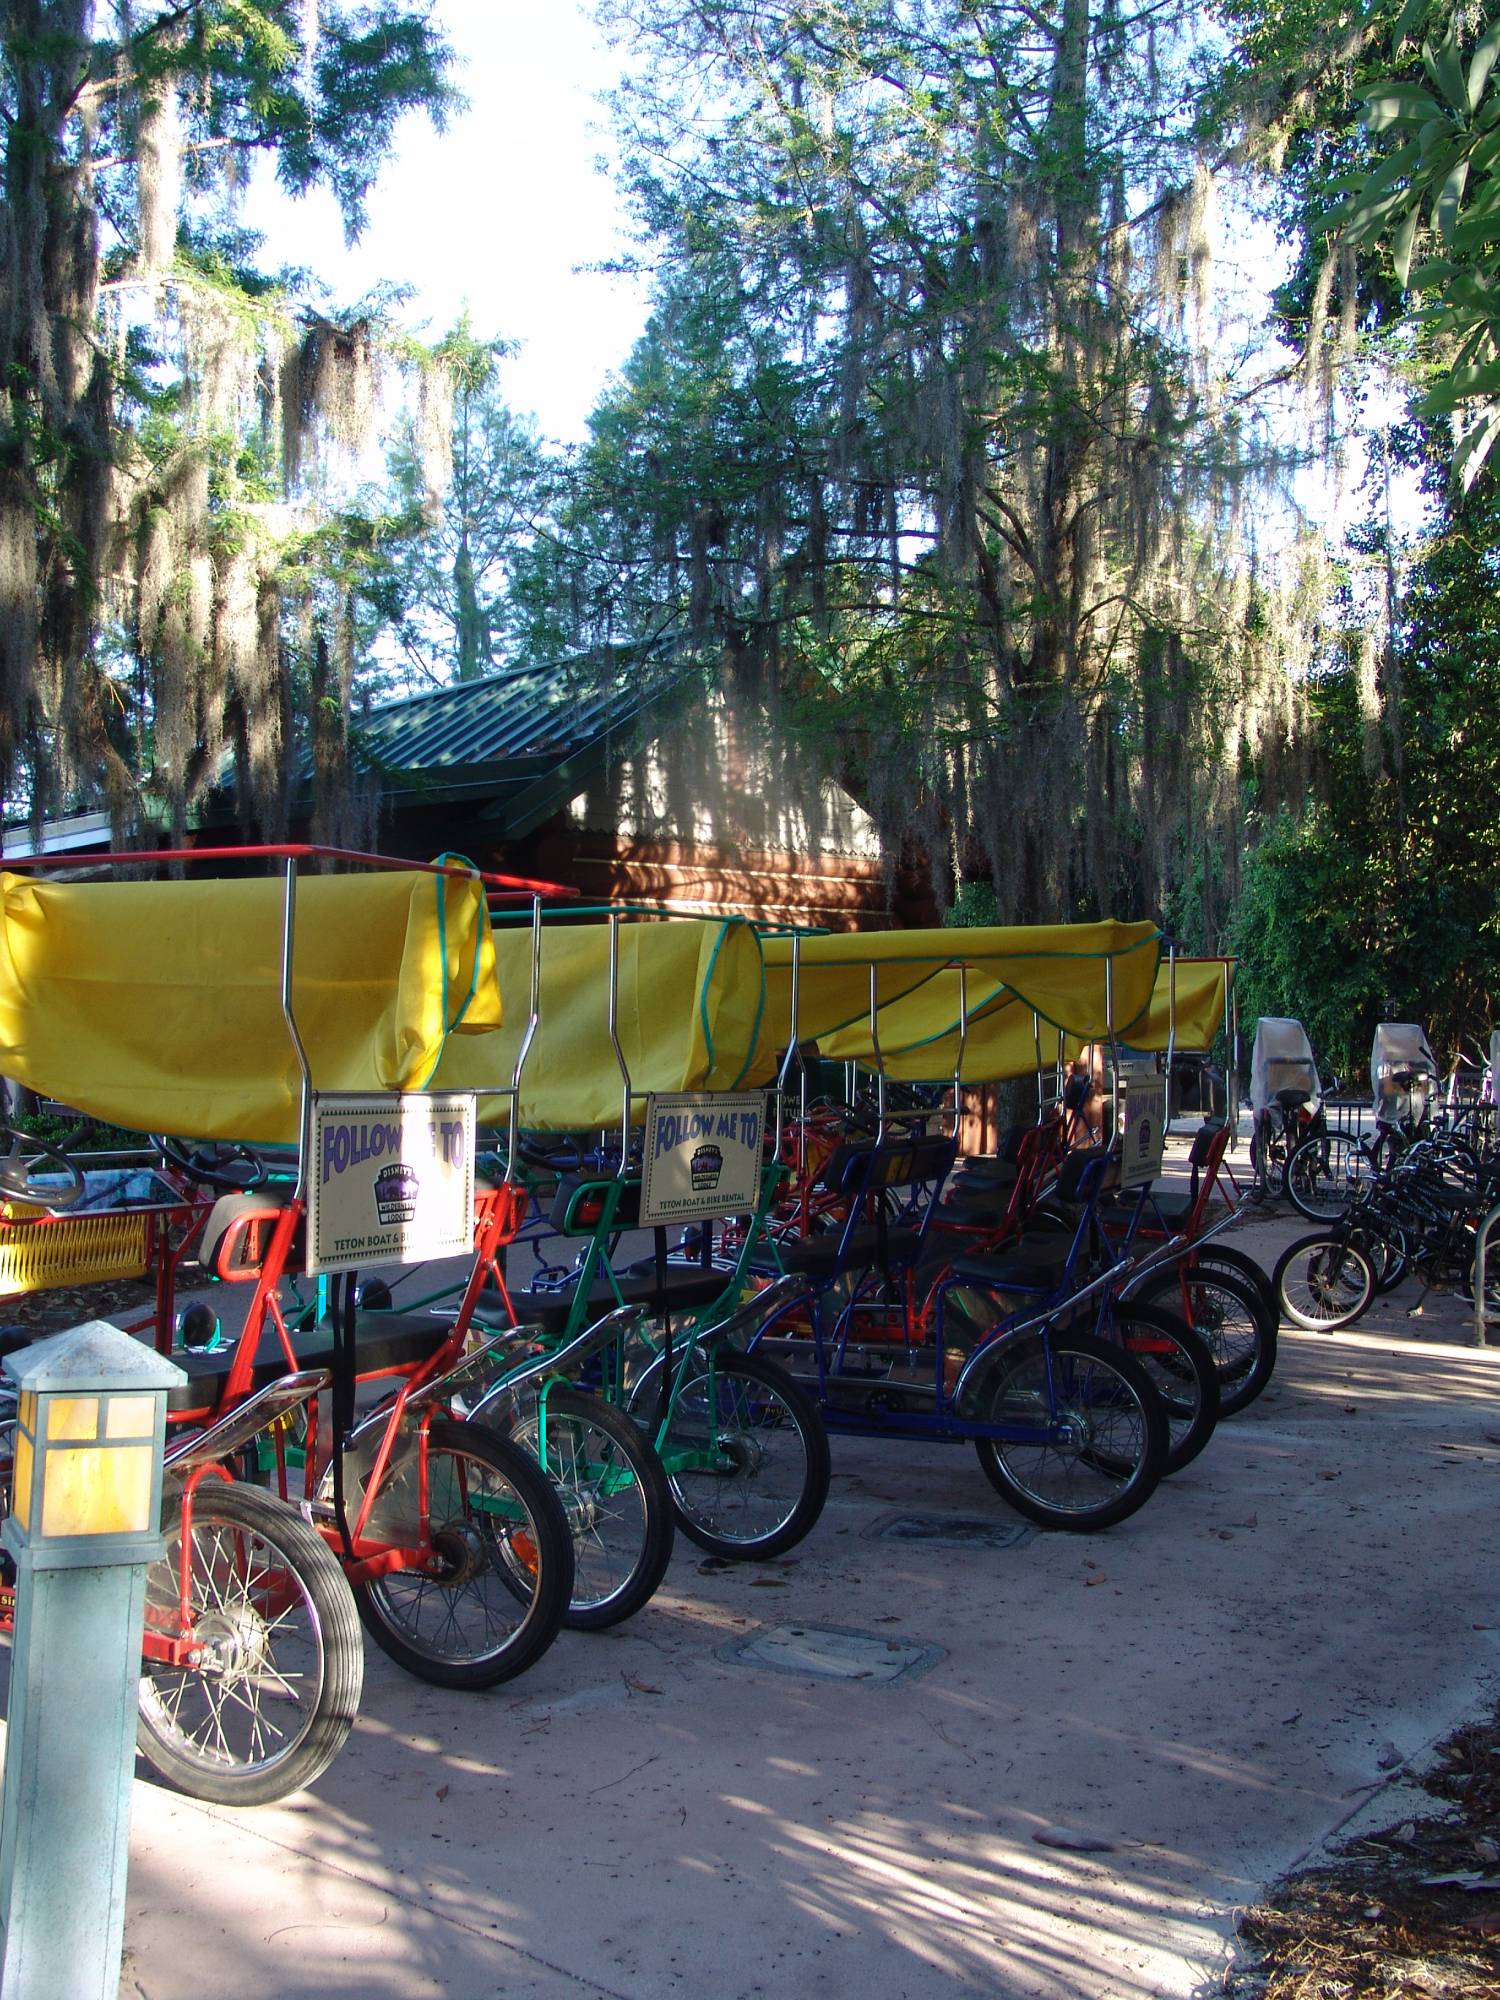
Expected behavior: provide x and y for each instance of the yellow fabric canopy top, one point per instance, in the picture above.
(920, 1040)
(689, 994)
(157, 1005)
(1079, 978)
(705, 1005)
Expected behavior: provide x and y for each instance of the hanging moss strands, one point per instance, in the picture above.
(170, 421)
(934, 429)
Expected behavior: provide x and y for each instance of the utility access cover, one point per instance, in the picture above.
(833, 1653)
(950, 1531)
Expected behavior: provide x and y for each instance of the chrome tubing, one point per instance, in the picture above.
(247, 1419)
(288, 1012)
(987, 1349)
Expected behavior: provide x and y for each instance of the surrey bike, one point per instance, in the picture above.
(609, 1477)
(252, 1661)
(1066, 1424)
(743, 1451)
(456, 1545)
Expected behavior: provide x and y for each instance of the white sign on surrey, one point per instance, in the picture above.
(391, 1179)
(703, 1155)
(1143, 1133)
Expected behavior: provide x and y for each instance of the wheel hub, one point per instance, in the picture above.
(1074, 1431)
(233, 1641)
(744, 1452)
(458, 1553)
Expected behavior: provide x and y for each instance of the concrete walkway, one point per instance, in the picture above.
(1203, 1692)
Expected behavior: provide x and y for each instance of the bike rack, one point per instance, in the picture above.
(1484, 1317)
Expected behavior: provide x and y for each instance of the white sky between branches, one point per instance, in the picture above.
(506, 211)
(503, 211)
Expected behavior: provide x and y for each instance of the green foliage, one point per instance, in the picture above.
(920, 442)
(64, 1132)
(457, 534)
(1385, 896)
(1437, 144)
(973, 906)
(164, 396)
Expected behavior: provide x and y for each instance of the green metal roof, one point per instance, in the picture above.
(515, 744)
(525, 712)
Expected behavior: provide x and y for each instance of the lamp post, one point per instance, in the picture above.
(83, 1525)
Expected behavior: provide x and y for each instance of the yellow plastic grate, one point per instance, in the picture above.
(73, 1250)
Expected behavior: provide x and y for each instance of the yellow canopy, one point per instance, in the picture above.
(919, 1039)
(690, 999)
(1202, 986)
(157, 1005)
(1074, 976)
(1005, 1038)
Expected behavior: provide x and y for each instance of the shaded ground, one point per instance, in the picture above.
(55, 1311)
(1125, 1737)
(1410, 1910)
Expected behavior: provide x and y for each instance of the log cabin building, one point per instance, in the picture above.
(632, 785)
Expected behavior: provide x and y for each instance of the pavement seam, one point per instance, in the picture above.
(578, 1979)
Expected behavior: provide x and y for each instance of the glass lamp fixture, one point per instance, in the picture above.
(90, 1425)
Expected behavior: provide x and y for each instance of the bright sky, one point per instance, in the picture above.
(499, 212)
(506, 210)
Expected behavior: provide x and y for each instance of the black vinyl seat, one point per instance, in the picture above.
(818, 1256)
(1029, 1266)
(684, 1288)
(382, 1341)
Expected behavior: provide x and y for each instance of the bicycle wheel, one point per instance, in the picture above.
(493, 1601)
(617, 1501)
(1324, 1283)
(1222, 1308)
(1388, 1251)
(1216, 1256)
(1268, 1161)
(268, 1707)
(746, 1454)
(1325, 1173)
(1093, 1435)
(1182, 1372)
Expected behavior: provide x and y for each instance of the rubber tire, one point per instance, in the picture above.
(1227, 1313)
(656, 1529)
(1319, 1181)
(551, 1578)
(1026, 1353)
(1388, 1255)
(803, 1415)
(1217, 1256)
(1352, 1271)
(1268, 1162)
(335, 1699)
(1186, 1381)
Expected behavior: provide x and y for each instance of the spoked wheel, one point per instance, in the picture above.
(1387, 1251)
(1325, 1173)
(276, 1690)
(494, 1596)
(1324, 1283)
(617, 1501)
(1092, 1436)
(1218, 1256)
(1182, 1372)
(746, 1454)
(1222, 1309)
(1268, 1162)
